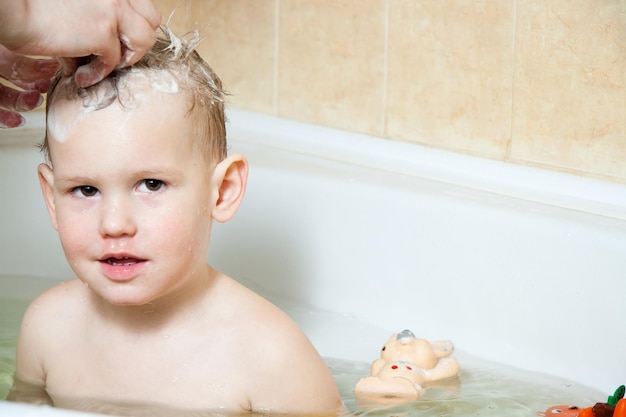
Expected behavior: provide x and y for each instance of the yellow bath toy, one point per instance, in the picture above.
(406, 363)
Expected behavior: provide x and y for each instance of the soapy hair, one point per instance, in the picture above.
(189, 73)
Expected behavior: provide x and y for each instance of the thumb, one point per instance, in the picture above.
(98, 66)
(94, 71)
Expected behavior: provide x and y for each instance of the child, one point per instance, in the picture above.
(137, 173)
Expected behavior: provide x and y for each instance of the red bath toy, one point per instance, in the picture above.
(614, 407)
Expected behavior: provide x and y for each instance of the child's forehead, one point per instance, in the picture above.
(119, 137)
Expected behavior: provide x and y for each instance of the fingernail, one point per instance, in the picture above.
(11, 120)
(127, 56)
(127, 51)
(28, 100)
(88, 75)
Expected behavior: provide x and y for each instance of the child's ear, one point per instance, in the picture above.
(229, 180)
(46, 180)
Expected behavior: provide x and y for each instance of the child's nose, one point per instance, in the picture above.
(117, 218)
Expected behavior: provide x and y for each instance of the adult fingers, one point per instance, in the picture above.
(19, 68)
(16, 100)
(31, 70)
(126, 42)
(137, 29)
(13, 101)
(9, 119)
(97, 67)
(41, 86)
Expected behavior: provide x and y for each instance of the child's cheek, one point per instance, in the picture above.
(185, 232)
(75, 241)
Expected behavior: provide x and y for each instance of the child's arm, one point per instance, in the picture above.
(295, 378)
(30, 378)
(25, 392)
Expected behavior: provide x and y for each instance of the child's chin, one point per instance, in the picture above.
(127, 299)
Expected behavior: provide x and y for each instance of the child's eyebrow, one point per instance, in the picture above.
(73, 180)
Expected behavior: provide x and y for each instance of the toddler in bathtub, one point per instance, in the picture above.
(137, 172)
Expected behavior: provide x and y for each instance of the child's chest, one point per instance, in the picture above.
(187, 372)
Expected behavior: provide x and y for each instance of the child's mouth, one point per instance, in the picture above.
(121, 261)
(125, 261)
(122, 267)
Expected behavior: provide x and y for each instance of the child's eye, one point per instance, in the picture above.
(150, 185)
(85, 191)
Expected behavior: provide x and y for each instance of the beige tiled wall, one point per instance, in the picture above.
(540, 82)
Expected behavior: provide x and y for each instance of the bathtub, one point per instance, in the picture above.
(361, 237)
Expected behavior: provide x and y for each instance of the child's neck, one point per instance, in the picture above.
(174, 311)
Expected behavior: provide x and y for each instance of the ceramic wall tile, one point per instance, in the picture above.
(450, 74)
(570, 86)
(332, 63)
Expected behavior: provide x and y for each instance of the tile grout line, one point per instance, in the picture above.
(385, 69)
(276, 53)
(509, 143)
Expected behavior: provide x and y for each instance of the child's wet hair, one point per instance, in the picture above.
(190, 74)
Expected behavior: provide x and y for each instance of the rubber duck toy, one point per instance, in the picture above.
(405, 364)
(615, 406)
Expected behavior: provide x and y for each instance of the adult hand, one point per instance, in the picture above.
(31, 75)
(110, 33)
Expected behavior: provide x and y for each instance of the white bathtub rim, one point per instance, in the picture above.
(12, 409)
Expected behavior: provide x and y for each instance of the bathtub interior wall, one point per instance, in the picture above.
(514, 273)
(28, 243)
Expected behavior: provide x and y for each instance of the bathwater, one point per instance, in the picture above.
(482, 388)
(11, 311)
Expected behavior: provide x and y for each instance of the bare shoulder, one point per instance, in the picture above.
(54, 302)
(260, 320)
(45, 321)
(288, 373)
